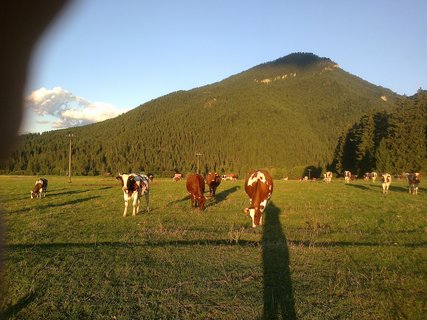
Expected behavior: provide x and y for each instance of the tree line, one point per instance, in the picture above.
(393, 142)
(290, 126)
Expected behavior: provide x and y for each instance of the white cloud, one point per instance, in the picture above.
(66, 109)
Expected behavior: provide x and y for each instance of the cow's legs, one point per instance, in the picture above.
(126, 209)
(136, 203)
(147, 199)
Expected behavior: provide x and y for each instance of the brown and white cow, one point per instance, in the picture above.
(213, 180)
(385, 181)
(133, 186)
(230, 177)
(177, 177)
(40, 188)
(347, 176)
(259, 187)
(413, 182)
(366, 176)
(373, 175)
(327, 177)
(196, 188)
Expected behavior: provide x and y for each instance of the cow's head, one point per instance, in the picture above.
(120, 178)
(128, 182)
(33, 194)
(201, 202)
(256, 214)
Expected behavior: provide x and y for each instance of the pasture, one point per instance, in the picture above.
(326, 251)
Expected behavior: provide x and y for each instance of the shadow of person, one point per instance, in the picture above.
(278, 296)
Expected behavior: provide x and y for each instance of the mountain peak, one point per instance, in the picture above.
(301, 59)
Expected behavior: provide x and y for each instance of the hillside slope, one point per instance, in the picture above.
(286, 114)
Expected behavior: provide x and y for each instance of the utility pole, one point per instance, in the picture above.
(198, 161)
(70, 135)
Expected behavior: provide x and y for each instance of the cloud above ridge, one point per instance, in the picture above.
(64, 109)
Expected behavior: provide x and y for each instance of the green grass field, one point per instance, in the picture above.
(326, 251)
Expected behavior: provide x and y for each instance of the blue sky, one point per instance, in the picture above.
(103, 57)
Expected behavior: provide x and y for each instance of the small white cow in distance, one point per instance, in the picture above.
(386, 181)
(373, 176)
(413, 182)
(327, 177)
(347, 176)
(133, 186)
(40, 188)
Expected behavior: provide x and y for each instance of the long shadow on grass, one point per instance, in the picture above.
(198, 242)
(218, 197)
(393, 188)
(278, 296)
(357, 186)
(186, 198)
(21, 304)
(223, 195)
(67, 192)
(130, 245)
(52, 205)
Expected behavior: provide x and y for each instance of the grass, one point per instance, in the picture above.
(327, 251)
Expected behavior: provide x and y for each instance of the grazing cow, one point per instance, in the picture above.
(327, 177)
(230, 177)
(386, 181)
(366, 176)
(40, 188)
(373, 176)
(259, 187)
(133, 186)
(177, 177)
(347, 176)
(196, 188)
(413, 182)
(213, 180)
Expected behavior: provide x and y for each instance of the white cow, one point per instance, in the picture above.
(386, 181)
(373, 176)
(327, 177)
(347, 176)
(133, 186)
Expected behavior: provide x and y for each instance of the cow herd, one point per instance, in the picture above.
(413, 180)
(258, 186)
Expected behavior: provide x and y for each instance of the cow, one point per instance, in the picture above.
(366, 176)
(213, 180)
(177, 177)
(196, 188)
(327, 177)
(413, 182)
(230, 177)
(373, 175)
(40, 188)
(259, 187)
(133, 186)
(386, 181)
(347, 176)
(150, 176)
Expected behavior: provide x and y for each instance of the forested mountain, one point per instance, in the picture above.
(393, 142)
(285, 115)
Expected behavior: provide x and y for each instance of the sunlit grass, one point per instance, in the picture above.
(349, 252)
